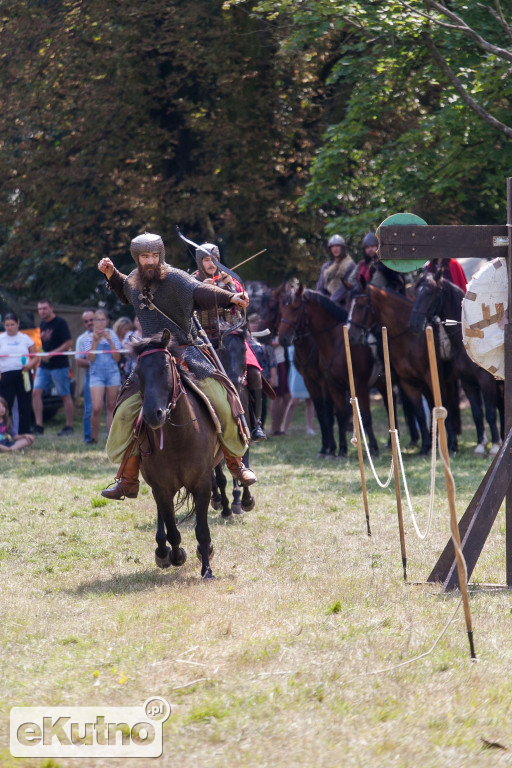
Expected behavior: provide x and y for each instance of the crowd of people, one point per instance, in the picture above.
(102, 351)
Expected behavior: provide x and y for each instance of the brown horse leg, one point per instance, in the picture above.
(204, 548)
(167, 530)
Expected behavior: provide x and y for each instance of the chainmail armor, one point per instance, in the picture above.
(174, 296)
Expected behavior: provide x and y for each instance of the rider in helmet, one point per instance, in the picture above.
(334, 279)
(210, 272)
(176, 294)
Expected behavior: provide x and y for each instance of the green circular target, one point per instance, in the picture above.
(397, 220)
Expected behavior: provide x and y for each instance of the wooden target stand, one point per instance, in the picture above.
(406, 243)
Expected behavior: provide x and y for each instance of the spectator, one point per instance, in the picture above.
(122, 327)
(54, 370)
(131, 359)
(82, 361)
(281, 404)
(105, 378)
(14, 371)
(8, 441)
(299, 392)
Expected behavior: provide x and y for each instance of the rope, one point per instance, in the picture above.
(422, 655)
(354, 442)
(437, 413)
(71, 353)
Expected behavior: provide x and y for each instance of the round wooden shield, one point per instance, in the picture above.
(398, 219)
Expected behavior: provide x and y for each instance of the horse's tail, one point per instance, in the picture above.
(183, 499)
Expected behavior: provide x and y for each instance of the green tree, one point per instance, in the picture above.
(120, 117)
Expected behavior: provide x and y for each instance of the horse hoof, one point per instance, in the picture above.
(237, 509)
(210, 552)
(183, 559)
(494, 449)
(216, 504)
(480, 451)
(248, 505)
(163, 562)
(227, 515)
(207, 575)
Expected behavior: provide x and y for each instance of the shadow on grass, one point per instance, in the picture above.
(142, 581)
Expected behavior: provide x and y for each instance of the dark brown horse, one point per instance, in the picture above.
(306, 361)
(373, 308)
(183, 443)
(307, 314)
(439, 299)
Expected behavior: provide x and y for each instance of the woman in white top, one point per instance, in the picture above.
(15, 348)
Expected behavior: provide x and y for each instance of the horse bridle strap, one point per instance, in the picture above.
(177, 386)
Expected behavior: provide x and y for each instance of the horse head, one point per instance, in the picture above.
(159, 379)
(269, 311)
(290, 315)
(360, 315)
(428, 301)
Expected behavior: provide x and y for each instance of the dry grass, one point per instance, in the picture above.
(285, 646)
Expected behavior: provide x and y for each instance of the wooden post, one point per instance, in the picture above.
(399, 241)
(450, 487)
(394, 448)
(357, 429)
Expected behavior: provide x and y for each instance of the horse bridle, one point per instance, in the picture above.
(177, 386)
(362, 326)
(308, 330)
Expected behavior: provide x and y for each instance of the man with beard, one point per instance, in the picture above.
(177, 295)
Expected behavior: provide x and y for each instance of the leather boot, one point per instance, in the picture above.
(257, 431)
(240, 472)
(127, 485)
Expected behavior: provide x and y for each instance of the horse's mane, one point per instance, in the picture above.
(339, 313)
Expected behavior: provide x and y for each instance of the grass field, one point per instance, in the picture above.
(289, 658)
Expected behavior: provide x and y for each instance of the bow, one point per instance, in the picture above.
(219, 266)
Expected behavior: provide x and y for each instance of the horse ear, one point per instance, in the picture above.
(166, 335)
(438, 275)
(362, 282)
(300, 289)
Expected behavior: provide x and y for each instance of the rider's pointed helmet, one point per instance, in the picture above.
(370, 239)
(336, 240)
(147, 243)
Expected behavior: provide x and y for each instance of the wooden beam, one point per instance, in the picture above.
(440, 242)
(477, 521)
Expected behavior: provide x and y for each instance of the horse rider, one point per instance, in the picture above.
(374, 271)
(450, 270)
(370, 246)
(210, 272)
(155, 284)
(334, 279)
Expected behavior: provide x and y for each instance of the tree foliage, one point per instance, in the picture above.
(404, 137)
(258, 126)
(128, 116)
